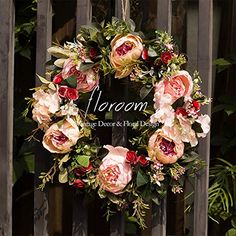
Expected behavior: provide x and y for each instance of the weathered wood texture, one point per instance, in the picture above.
(80, 211)
(119, 133)
(6, 113)
(159, 219)
(44, 34)
(159, 213)
(164, 13)
(83, 13)
(205, 31)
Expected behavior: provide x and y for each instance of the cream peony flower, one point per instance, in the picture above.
(60, 138)
(114, 172)
(126, 50)
(46, 104)
(163, 149)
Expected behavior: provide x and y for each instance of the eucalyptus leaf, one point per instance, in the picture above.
(60, 62)
(43, 80)
(58, 52)
(52, 86)
(83, 160)
(63, 176)
(152, 52)
(231, 232)
(86, 66)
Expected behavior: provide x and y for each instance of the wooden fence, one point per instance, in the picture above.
(44, 34)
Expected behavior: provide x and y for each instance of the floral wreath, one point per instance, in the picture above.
(162, 153)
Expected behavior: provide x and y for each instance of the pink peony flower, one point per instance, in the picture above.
(167, 91)
(46, 104)
(114, 172)
(179, 85)
(86, 80)
(60, 137)
(126, 50)
(163, 149)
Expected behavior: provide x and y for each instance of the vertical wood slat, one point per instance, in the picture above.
(7, 19)
(119, 134)
(44, 34)
(205, 32)
(164, 14)
(83, 13)
(80, 214)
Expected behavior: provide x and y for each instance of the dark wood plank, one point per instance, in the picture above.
(44, 34)
(7, 19)
(80, 211)
(83, 13)
(80, 216)
(119, 134)
(164, 14)
(159, 219)
(205, 31)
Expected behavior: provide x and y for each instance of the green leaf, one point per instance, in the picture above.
(102, 153)
(132, 24)
(152, 52)
(60, 62)
(63, 176)
(70, 81)
(178, 103)
(142, 178)
(83, 160)
(197, 127)
(43, 80)
(86, 66)
(222, 64)
(233, 222)
(26, 52)
(63, 160)
(231, 232)
(58, 52)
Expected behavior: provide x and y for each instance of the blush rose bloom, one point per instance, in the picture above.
(114, 172)
(126, 50)
(86, 80)
(59, 138)
(168, 90)
(163, 149)
(46, 103)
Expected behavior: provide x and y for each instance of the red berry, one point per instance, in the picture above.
(57, 79)
(165, 57)
(145, 54)
(131, 157)
(78, 183)
(143, 160)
